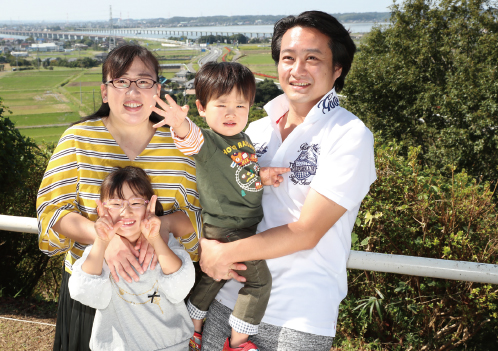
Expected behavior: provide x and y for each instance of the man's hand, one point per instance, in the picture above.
(212, 263)
(272, 175)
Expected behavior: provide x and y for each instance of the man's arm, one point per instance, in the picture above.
(318, 215)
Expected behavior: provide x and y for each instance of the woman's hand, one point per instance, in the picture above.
(272, 175)
(212, 263)
(121, 257)
(174, 115)
(104, 227)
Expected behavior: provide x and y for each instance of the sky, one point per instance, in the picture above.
(98, 10)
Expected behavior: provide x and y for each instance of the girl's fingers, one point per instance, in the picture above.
(116, 226)
(100, 208)
(152, 204)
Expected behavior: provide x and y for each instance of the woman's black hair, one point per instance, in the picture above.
(115, 65)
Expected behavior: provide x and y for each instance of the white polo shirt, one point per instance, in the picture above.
(331, 152)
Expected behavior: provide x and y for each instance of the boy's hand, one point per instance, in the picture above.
(151, 224)
(104, 227)
(272, 175)
(173, 114)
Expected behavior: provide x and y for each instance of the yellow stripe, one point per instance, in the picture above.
(90, 148)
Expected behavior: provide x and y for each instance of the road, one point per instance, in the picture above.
(211, 56)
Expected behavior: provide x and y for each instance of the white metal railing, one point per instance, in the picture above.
(368, 261)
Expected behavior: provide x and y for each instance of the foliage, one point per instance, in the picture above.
(85, 62)
(266, 90)
(431, 79)
(414, 210)
(15, 153)
(22, 264)
(242, 39)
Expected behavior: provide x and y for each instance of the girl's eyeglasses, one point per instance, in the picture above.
(119, 204)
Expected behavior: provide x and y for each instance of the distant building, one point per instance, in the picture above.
(44, 47)
(19, 53)
(101, 56)
(80, 46)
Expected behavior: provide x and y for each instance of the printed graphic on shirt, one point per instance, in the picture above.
(228, 150)
(247, 171)
(261, 149)
(328, 103)
(143, 298)
(305, 164)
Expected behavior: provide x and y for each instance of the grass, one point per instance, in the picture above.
(34, 80)
(257, 59)
(44, 119)
(45, 134)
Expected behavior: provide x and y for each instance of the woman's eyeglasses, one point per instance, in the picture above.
(119, 204)
(124, 83)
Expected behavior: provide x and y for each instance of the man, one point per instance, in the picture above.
(305, 235)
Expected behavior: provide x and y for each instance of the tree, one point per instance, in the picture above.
(15, 153)
(431, 79)
(266, 90)
(23, 165)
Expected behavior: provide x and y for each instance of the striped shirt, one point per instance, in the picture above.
(85, 155)
(191, 144)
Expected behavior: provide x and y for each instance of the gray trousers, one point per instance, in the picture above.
(253, 297)
(269, 338)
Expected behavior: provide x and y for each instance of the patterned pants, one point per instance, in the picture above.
(270, 337)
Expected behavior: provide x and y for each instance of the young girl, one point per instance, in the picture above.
(148, 314)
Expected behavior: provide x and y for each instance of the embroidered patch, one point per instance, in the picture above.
(261, 149)
(305, 164)
(328, 103)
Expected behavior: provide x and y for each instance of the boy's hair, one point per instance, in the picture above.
(137, 180)
(216, 79)
(340, 42)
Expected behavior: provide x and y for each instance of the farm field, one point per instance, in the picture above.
(258, 60)
(45, 102)
(39, 98)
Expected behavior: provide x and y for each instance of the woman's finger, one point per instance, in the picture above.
(153, 263)
(143, 251)
(148, 257)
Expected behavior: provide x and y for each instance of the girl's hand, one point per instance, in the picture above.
(272, 175)
(104, 227)
(173, 114)
(151, 224)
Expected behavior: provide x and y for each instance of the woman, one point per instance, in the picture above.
(120, 134)
(305, 235)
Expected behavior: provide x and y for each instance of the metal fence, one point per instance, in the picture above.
(368, 261)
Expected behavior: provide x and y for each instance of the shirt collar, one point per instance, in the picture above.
(327, 105)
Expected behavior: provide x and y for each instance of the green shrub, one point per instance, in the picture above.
(415, 210)
(23, 265)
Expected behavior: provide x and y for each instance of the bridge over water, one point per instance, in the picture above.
(102, 34)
